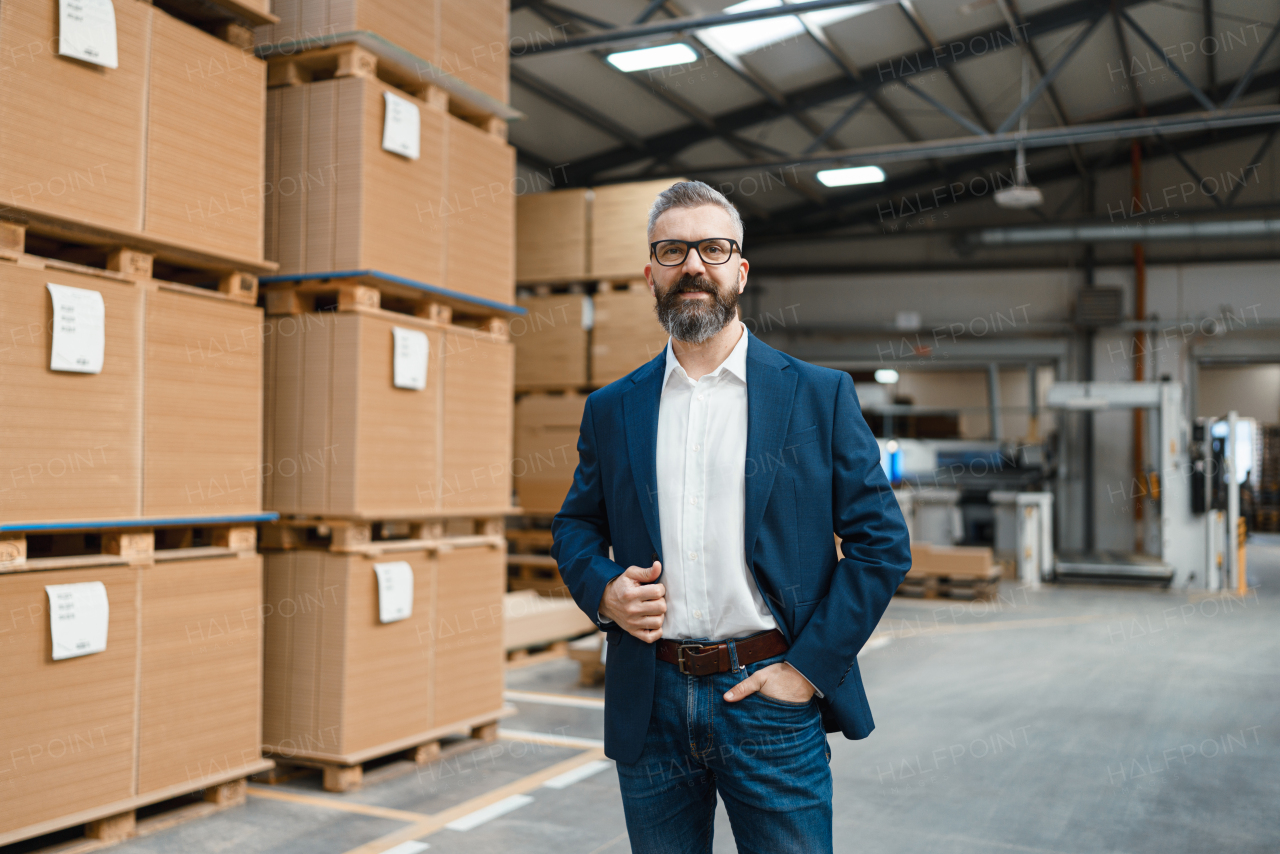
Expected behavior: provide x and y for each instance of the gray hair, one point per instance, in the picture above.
(693, 194)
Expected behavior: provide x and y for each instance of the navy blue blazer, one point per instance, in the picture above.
(812, 468)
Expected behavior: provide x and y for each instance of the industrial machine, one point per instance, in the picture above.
(1193, 483)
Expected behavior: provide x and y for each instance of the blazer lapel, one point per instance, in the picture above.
(640, 409)
(771, 390)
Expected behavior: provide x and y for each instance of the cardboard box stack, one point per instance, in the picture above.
(345, 685)
(389, 370)
(392, 163)
(131, 423)
(580, 258)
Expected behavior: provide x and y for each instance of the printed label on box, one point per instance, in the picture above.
(401, 130)
(79, 329)
(78, 616)
(87, 31)
(395, 591)
(409, 361)
(588, 311)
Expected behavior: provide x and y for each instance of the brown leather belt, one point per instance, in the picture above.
(703, 659)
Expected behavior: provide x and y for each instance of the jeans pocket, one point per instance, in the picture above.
(786, 704)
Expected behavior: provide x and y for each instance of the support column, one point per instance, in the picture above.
(993, 400)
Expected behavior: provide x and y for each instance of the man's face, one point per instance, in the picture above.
(695, 300)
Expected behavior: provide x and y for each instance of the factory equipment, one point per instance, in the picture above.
(1192, 520)
(1024, 533)
(1222, 464)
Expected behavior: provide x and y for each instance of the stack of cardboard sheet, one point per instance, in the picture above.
(573, 240)
(532, 620)
(355, 206)
(546, 449)
(620, 228)
(467, 41)
(170, 706)
(412, 26)
(342, 440)
(553, 236)
(475, 44)
(968, 562)
(551, 340)
(69, 741)
(444, 216)
(164, 148)
(171, 425)
(342, 686)
(626, 333)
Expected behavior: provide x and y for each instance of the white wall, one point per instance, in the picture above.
(1251, 390)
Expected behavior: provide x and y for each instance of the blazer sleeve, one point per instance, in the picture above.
(875, 552)
(580, 531)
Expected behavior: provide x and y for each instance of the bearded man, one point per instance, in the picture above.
(717, 473)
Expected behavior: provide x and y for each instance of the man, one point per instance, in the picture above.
(718, 472)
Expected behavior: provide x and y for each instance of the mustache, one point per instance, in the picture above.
(692, 285)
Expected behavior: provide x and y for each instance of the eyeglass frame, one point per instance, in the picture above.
(696, 246)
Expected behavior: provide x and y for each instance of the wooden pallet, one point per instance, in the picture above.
(530, 565)
(535, 572)
(941, 587)
(346, 777)
(373, 538)
(586, 651)
(360, 57)
(72, 544)
(373, 292)
(517, 658)
(142, 821)
(50, 244)
(1267, 519)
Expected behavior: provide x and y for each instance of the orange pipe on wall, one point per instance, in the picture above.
(1139, 356)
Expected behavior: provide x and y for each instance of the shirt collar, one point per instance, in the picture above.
(735, 363)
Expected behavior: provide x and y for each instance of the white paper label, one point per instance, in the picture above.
(79, 329)
(395, 591)
(401, 129)
(409, 362)
(77, 618)
(87, 30)
(588, 312)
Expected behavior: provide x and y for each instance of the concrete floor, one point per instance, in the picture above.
(1072, 719)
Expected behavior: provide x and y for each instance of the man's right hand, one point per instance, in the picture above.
(638, 606)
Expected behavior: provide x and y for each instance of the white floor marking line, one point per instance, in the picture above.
(554, 699)
(408, 848)
(568, 778)
(489, 813)
(548, 738)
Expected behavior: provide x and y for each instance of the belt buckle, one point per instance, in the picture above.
(680, 656)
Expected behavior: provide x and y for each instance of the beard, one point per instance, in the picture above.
(693, 321)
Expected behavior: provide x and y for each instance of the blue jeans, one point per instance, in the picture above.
(768, 759)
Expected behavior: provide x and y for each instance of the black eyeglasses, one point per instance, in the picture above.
(713, 250)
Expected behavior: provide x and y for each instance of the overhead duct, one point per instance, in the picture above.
(1248, 229)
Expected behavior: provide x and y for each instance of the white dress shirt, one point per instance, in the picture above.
(701, 460)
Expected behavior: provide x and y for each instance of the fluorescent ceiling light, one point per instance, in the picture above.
(652, 57)
(888, 376)
(753, 35)
(850, 176)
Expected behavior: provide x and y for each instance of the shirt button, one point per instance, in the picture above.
(693, 501)
(698, 614)
(693, 555)
(697, 447)
(699, 397)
